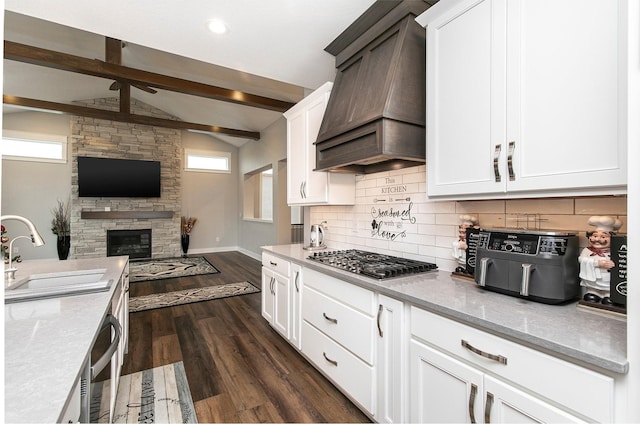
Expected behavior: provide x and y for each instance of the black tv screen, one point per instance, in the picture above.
(105, 177)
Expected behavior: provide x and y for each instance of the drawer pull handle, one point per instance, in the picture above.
(379, 316)
(331, 320)
(273, 263)
(487, 408)
(498, 358)
(472, 400)
(331, 361)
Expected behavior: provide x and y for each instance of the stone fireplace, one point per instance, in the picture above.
(93, 217)
(135, 243)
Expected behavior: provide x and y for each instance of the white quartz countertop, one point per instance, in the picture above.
(566, 331)
(47, 341)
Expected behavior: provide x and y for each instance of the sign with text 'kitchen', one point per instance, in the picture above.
(391, 212)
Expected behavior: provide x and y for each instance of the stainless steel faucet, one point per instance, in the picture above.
(36, 239)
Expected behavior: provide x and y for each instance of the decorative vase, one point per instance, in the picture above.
(64, 245)
(184, 241)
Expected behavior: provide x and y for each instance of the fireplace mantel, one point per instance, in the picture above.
(126, 214)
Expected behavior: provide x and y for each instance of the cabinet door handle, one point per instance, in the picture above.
(331, 361)
(487, 408)
(296, 281)
(301, 193)
(512, 147)
(273, 281)
(526, 278)
(472, 401)
(498, 358)
(331, 320)
(379, 317)
(496, 168)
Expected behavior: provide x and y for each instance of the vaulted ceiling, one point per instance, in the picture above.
(239, 83)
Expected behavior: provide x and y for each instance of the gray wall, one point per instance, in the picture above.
(269, 150)
(31, 189)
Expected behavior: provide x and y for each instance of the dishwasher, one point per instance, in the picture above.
(97, 387)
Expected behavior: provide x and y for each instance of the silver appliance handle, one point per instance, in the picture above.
(527, 269)
(110, 321)
(482, 276)
(496, 158)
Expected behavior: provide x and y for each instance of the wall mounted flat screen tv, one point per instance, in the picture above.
(106, 177)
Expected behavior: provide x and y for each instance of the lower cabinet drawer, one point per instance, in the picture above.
(347, 371)
(577, 388)
(349, 327)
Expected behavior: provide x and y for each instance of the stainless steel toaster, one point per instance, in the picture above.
(536, 265)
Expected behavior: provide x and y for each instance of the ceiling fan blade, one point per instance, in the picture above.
(145, 88)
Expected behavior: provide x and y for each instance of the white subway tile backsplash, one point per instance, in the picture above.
(540, 206)
(601, 206)
(431, 226)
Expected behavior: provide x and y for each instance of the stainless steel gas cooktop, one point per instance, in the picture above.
(371, 264)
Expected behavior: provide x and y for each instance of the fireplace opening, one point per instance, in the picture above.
(135, 243)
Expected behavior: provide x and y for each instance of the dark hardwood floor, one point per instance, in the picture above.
(238, 368)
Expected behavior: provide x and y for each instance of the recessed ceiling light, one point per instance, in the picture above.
(217, 26)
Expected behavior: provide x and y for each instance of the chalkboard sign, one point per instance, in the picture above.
(619, 271)
(473, 235)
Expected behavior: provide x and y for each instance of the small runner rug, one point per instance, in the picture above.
(157, 269)
(158, 395)
(181, 297)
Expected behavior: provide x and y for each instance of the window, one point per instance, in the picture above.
(258, 194)
(207, 161)
(19, 145)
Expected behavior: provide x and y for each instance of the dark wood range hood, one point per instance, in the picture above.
(375, 118)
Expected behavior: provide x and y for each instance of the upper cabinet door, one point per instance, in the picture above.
(566, 94)
(526, 98)
(465, 98)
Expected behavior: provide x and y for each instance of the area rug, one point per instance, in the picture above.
(181, 297)
(157, 395)
(157, 269)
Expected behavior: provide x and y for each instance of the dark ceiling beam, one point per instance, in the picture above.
(125, 117)
(98, 68)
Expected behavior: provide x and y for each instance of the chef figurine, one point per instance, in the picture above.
(460, 245)
(595, 260)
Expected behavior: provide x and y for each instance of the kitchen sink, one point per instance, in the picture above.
(68, 283)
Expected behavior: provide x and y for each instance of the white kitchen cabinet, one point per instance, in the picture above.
(276, 293)
(296, 305)
(458, 372)
(338, 330)
(525, 98)
(120, 310)
(304, 185)
(390, 361)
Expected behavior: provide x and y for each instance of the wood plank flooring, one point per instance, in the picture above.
(238, 368)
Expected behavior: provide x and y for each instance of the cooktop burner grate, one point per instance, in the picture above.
(373, 265)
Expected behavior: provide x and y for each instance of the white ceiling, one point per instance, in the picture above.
(274, 48)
